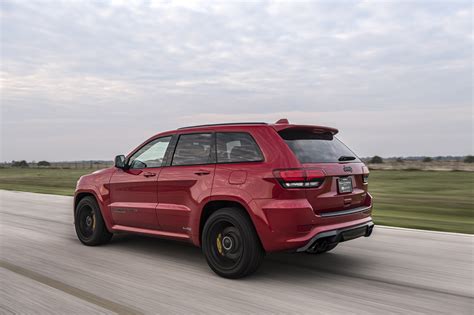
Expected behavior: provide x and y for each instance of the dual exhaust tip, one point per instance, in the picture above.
(321, 244)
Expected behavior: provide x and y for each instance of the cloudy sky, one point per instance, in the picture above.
(92, 79)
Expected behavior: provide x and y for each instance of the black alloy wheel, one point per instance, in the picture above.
(89, 224)
(230, 243)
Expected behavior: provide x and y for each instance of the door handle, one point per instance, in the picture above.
(202, 172)
(149, 174)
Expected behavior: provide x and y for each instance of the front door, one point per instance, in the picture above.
(133, 191)
(184, 184)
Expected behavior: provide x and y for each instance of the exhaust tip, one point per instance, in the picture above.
(369, 231)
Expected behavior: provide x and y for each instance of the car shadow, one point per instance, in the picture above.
(278, 266)
(155, 245)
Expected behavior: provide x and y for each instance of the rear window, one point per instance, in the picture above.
(317, 147)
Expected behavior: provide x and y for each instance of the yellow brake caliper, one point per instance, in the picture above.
(219, 244)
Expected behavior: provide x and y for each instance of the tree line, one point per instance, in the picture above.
(379, 160)
(23, 163)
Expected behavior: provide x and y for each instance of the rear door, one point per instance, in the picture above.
(343, 187)
(186, 182)
(133, 192)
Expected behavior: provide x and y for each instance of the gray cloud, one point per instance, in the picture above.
(91, 79)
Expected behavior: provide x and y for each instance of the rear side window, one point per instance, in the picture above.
(317, 147)
(233, 147)
(193, 149)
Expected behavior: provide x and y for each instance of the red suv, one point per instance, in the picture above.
(237, 190)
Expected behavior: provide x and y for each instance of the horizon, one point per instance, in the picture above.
(408, 158)
(82, 79)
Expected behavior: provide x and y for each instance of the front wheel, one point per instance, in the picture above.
(230, 244)
(89, 224)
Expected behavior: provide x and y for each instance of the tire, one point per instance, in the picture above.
(231, 244)
(89, 224)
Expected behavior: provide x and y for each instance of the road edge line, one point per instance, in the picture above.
(69, 289)
(421, 230)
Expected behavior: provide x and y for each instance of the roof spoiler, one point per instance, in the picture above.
(283, 124)
(282, 121)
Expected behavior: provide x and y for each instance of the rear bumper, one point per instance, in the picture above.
(291, 224)
(345, 212)
(339, 235)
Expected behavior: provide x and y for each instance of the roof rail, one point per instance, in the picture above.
(225, 124)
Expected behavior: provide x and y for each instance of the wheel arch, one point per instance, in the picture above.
(83, 193)
(214, 205)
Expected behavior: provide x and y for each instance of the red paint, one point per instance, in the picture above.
(185, 186)
(170, 202)
(133, 198)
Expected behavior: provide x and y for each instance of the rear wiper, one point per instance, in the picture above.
(346, 158)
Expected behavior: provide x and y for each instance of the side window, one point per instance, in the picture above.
(193, 149)
(237, 147)
(151, 154)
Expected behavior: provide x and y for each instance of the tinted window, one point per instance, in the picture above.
(237, 147)
(151, 154)
(316, 147)
(193, 149)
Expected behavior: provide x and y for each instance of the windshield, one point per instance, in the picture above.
(317, 148)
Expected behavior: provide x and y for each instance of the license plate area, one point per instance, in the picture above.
(344, 185)
(355, 233)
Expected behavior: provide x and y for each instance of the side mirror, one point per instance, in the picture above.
(120, 161)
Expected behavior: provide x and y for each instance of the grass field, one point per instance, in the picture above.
(46, 181)
(431, 200)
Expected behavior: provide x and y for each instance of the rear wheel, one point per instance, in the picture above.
(230, 244)
(89, 224)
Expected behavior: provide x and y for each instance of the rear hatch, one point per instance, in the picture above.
(345, 177)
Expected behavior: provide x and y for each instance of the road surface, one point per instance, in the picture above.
(44, 269)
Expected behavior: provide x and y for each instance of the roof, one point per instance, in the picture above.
(281, 124)
(224, 124)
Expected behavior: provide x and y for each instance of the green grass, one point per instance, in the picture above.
(442, 201)
(46, 181)
(430, 200)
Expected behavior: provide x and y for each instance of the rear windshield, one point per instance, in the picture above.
(317, 147)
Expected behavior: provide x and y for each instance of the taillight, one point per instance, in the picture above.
(300, 178)
(365, 175)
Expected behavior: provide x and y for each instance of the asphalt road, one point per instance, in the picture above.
(44, 269)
